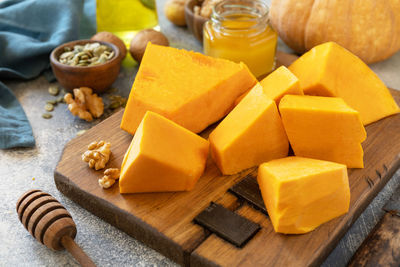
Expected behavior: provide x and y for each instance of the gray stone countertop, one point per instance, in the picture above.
(24, 169)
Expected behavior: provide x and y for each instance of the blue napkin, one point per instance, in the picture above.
(29, 31)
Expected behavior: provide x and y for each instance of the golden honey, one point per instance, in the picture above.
(239, 31)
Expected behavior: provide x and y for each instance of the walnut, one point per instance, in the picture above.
(196, 10)
(86, 105)
(97, 155)
(110, 175)
(207, 6)
(106, 182)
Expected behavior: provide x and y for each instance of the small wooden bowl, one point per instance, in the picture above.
(194, 22)
(99, 77)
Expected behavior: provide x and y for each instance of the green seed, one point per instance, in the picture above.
(49, 107)
(47, 116)
(114, 105)
(123, 102)
(53, 90)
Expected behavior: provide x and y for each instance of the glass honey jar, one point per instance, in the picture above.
(239, 30)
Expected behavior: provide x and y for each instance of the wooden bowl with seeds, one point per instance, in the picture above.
(89, 65)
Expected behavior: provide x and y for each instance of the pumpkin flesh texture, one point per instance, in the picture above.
(188, 88)
(162, 157)
(301, 193)
(331, 70)
(250, 135)
(323, 128)
(277, 84)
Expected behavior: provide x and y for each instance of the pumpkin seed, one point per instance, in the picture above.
(114, 105)
(123, 102)
(49, 107)
(47, 116)
(53, 90)
(90, 54)
(66, 55)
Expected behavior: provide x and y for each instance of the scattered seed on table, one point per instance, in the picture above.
(47, 116)
(114, 105)
(49, 107)
(53, 90)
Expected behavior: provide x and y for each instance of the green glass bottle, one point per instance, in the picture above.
(125, 18)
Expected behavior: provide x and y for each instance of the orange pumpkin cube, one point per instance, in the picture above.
(188, 88)
(331, 70)
(250, 135)
(163, 156)
(301, 193)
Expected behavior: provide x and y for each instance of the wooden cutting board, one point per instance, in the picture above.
(164, 221)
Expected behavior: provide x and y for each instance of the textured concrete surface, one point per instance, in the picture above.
(24, 169)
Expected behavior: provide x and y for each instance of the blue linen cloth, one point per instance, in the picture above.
(29, 31)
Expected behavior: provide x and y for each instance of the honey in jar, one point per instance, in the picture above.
(239, 30)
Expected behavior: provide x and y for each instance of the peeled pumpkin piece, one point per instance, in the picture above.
(251, 134)
(300, 193)
(162, 157)
(349, 153)
(331, 70)
(188, 88)
(277, 84)
(323, 128)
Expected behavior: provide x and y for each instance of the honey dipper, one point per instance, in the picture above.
(50, 223)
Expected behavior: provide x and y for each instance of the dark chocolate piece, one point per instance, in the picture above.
(227, 224)
(248, 190)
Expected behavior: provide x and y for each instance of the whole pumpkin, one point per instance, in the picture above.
(368, 28)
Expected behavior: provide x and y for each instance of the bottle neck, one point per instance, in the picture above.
(240, 17)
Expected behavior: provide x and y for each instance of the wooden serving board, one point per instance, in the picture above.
(164, 221)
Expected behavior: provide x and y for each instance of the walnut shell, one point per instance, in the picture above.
(139, 42)
(111, 38)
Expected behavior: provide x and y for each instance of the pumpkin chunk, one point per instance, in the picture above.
(279, 83)
(163, 156)
(251, 134)
(301, 193)
(188, 88)
(331, 70)
(323, 128)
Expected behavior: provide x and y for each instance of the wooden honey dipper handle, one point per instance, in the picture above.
(76, 251)
(50, 223)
